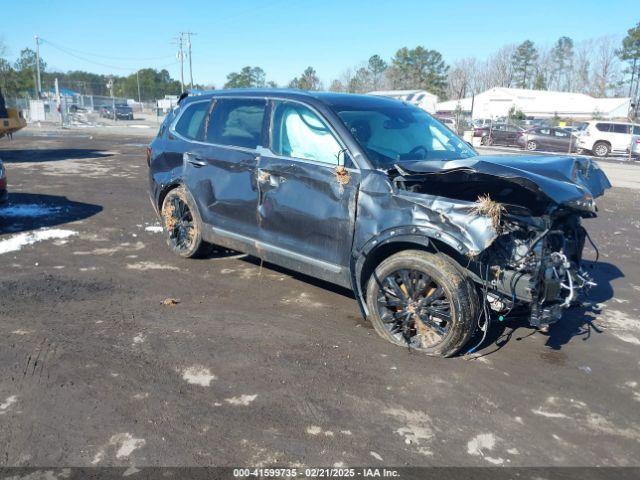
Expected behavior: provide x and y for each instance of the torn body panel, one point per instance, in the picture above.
(526, 247)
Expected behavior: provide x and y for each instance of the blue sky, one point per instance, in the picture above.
(285, 36)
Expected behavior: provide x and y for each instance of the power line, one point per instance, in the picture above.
(115, 67)
(104, 56)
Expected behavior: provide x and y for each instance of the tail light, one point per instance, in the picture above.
(637, 140)
(148, 156)
(520, 134)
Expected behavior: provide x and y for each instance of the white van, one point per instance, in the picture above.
(602, 138)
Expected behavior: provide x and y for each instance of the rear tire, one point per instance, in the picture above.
(182, 224)
(421, 299)
(601, 149)
(532, 146)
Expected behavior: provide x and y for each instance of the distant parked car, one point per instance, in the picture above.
(123, 112)
(602, 138)
(4, 195)
(448, 122)
(504, 134)
(547, 138)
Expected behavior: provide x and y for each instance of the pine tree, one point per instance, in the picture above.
(523, 63)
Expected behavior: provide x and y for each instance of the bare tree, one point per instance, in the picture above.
(582, 65)
(498, 70)
(461, 80)
(606, 67)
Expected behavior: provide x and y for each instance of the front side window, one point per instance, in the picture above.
(190, 123)
(298, 132)
(237, 122)
(397, 133)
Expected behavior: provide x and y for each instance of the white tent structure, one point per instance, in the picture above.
(421, 98)
(496, 102)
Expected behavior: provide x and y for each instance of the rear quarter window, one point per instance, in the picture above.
(190, 123)
(620, 128)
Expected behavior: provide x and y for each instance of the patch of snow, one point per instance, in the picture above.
(153, 228)
(4, 406)
(198, 376)
(243, 400)
(484, 441)
(375, 455)
(16, 242)
(143, 266)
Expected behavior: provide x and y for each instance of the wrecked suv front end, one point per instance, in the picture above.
(517, 224)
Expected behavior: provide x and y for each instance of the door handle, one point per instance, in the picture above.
(194, 160)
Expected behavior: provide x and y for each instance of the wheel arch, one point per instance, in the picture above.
(388, 243)
(164, 191)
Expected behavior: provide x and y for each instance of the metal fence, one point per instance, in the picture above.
(71, 110)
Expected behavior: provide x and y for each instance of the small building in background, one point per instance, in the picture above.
(497, 102)
(427, 101)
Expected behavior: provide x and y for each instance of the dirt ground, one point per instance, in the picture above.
(259, 366)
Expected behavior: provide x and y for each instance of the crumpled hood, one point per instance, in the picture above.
(560, 178)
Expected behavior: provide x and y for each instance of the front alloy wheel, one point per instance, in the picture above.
(421, 300)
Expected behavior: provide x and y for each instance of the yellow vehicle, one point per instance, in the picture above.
(11, 119)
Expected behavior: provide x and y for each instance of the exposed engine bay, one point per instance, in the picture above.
(533, 255)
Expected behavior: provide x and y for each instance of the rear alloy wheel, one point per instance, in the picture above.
(601, 149)
(421, 300)
(182, 224)
(532, 145)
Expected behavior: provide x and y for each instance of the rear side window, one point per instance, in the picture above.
(561, 133)
(620, 128)
(603, 127)
(544, 131)
(237, 123)
(190, 123)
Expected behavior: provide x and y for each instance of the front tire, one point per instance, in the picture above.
(422, 300)
(182, 224)
(601, 149)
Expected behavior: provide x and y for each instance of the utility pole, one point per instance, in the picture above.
(181, 57)
(38, 85)
(59, 101)
(188, 34)
(139, 97)
(113, 100)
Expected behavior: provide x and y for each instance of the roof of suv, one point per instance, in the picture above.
(328, 98)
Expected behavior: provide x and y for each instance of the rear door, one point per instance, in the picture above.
(544, 138)
(620, 136)
(561, 140)
(220, 171)
(306, 205)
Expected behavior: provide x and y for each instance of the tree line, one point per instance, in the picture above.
(18, 79)
(601, 67)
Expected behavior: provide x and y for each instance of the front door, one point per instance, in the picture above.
(220, 171)
(306, 202)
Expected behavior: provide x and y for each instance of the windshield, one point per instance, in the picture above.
(402, 133)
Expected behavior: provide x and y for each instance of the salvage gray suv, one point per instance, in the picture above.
(376, 195)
